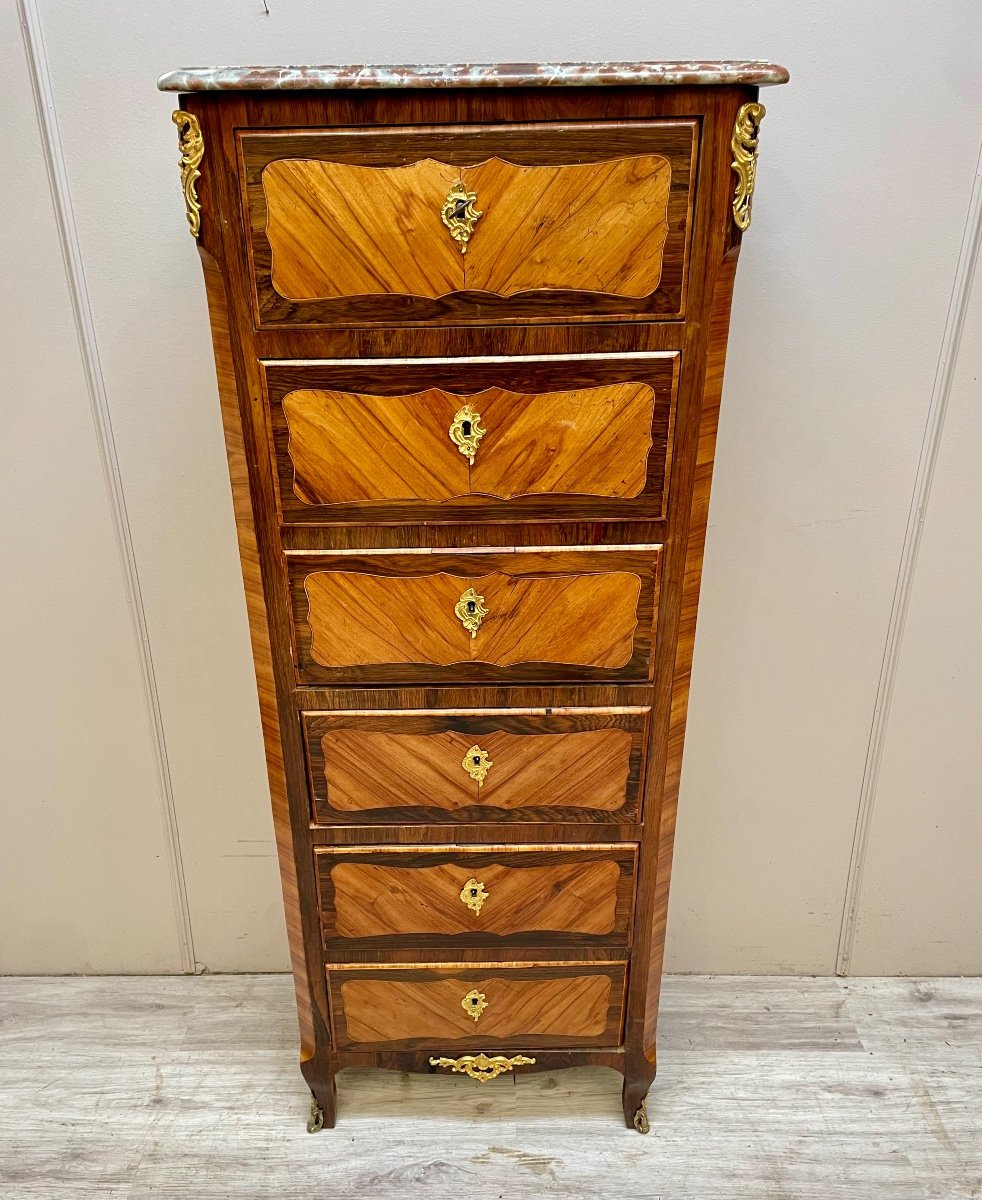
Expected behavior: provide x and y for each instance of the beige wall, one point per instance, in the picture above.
(85, 880)
(920, 888)
(819, 783)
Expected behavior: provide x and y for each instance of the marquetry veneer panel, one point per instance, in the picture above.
(403, 767)
(338, 230)
(347, 226)
(583, 435)
(348, 448)
(570, 1004)
(531, 895)
(569, 614)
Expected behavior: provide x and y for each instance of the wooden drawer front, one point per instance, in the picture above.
(529, 895)
(552, 614)
(348, 227)
(400, 768)
(575, 436)
(567, 1004)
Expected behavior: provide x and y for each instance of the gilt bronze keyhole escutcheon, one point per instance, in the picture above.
(473, 894)
(477, 764)
(474, 1003)
(470, 611)
(460, 215)
(466, 432)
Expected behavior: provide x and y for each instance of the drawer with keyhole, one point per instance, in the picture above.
(492, 438)
(475, 616)
(580, 765)
(447, 896)
(451, 1007)
(472, 223)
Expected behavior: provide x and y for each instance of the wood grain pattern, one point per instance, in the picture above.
(542, 895)
(590, 443)
(399, 1011)
(368, 440)
(246, 434)
(341, 230)
(365, 620)
(260, 640)
(401, 767)
(582, 228)
(566, 614)
(576, 770)
(337, 230)
(531, 1007)
(376, 901)
(350, 447)
(692, 467)
(366, 770)
(695, 545)
(642, 175)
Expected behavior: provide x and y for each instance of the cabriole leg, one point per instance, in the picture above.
(637, 1081)
(323, 1100)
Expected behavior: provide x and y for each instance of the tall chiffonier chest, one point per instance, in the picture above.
(470, 324)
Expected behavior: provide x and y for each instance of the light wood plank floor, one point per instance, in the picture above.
(768, 1088)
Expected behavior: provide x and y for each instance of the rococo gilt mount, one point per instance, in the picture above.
(470, 325)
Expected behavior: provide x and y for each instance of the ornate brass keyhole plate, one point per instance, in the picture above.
(466, 432)
(470, 611)
(473, 894)
(477, 764)
(474, 1003)
(459, 214)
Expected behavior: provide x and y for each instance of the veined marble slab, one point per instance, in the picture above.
(755, 72)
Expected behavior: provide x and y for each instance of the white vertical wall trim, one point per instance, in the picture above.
(968, 255)
(30, 23)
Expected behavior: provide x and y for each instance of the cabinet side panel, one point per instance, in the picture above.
(719, 326)
(259, 634)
